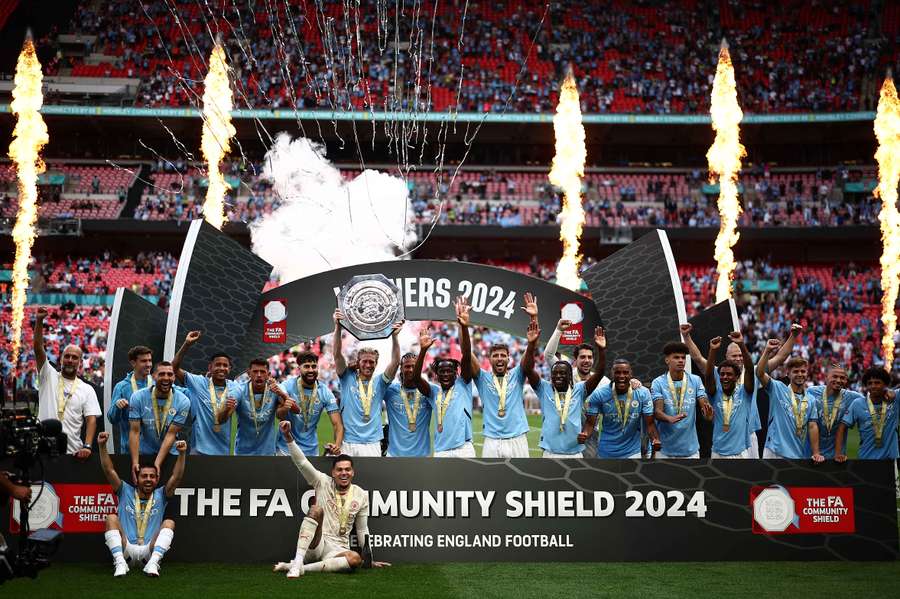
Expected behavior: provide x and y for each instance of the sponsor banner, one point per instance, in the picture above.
(574, 313)
(427, 510)
(275, 323)
(802, 510)
(72, 508)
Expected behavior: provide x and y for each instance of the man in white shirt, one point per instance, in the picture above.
(63, 396)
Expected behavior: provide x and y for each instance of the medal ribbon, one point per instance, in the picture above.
(253, 406)
(622, 411)
(562, 407)
(365, 396)
(677, 400)
(443, 402)
(216, 402)
(62, 398)
(727, 409)
(799, 411)
(142, 518)
(306, 403)
(877, 422)
(835, 408)
(134, 386)
(412, 412)
(343, 503)
(501, 391)
(160, 423)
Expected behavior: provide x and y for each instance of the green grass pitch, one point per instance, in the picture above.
(482, 580)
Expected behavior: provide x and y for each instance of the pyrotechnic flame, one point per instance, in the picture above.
(217, 133)
(724, 158)
(887, 130)
(29, 136)
(566, 173)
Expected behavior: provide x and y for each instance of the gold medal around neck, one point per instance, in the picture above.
(142, 517)
(411, 408)
(562, 407)
(216, 403)
(622, 411)
(307, 403)
(727, 410)
(829, 417)
(443, 402)
(159, 419)
(501, 394)
(677, 398)
(62, 398)
(878, 421)
(366, 391)
(799, 410)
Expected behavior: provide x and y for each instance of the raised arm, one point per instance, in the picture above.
(109, 471)
(738, 339)
(696, 355)
(553, 343)
(40, 355)
(337, 345)
(425, 343)
(762, 367)
(310, 474)
(391, 371)
(465, 341)
(599, 361)
(532, 334)
(191, 338)
(709, 367)
(784, 352)
(178, 470)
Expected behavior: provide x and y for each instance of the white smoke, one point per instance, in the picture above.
(325, 222)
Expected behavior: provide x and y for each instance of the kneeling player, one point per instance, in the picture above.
(139, 522)
(324, 538)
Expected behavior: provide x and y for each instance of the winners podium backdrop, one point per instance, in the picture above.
(240, 509)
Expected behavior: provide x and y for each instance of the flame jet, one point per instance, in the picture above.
(29, 137)
(566, 173)
(217, 133)
(724, 158)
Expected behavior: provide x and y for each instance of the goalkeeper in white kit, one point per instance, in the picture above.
(323, 544)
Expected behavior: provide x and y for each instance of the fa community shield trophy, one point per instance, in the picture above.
(371, 305)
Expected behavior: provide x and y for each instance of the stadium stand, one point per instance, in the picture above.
(646, 57)
(487, 196)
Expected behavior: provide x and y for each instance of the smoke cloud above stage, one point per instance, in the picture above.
(324, 221)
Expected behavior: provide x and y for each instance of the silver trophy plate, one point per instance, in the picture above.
(371, 305)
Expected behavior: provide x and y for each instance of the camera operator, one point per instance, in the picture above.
(63, 395)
